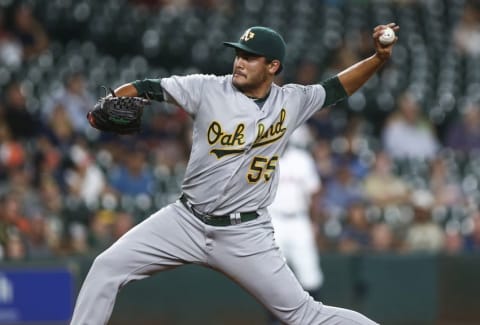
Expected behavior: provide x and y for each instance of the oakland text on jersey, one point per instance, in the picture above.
(273, 133)
(231, 141)
(216, 134)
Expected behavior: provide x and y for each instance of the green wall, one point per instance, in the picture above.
(391, 289)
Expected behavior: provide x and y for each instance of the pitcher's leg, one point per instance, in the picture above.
(164, 240)
(247, 254)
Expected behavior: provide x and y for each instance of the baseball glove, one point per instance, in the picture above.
(121, 115)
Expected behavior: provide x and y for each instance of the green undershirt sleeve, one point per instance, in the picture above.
(149, 88)
(334, 91)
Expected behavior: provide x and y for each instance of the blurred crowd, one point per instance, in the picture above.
(393, 180)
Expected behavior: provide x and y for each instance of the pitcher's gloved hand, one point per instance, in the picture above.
(121, 115)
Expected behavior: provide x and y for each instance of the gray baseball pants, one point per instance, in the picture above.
(172, 237)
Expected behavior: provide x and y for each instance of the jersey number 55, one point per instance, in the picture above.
(261, 166)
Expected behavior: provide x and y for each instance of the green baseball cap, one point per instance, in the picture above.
(261, 41)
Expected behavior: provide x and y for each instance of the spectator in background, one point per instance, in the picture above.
(463, 135)
(466, 34)
(423, 235)
(12, 215)
(37, 240)
(22, 123)
(132, 175)
(15, 247)
(382, 187)
(407, 134)
(52, 210)
(454, 241)
(29, 31)
(78, 239)
(444, 185)
(10, 47)
(355, 236)
(75, 99)
(59, 128)
(85, 179)
(293, 214)
(165, 125)
(20, 185)
(322, 126)
(342, 191)
(123, 222)
(170, 157)
(101, 230)
(383, 239)
(12, 153)
(4, 226)
(47, 160)
(472, 240)
(353, 137)
(324, 159)
(50, 196)
(74, 211)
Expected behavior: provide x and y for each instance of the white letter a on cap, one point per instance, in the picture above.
(248, 35)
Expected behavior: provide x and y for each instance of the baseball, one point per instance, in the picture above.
(387, 37)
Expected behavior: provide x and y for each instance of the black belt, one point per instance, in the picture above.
(231, 219)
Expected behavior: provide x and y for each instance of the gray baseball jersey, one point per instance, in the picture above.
(236, 143)
(232, 169)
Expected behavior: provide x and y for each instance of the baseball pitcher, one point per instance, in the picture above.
(241, 124)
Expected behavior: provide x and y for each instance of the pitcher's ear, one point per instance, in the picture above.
(274, 66)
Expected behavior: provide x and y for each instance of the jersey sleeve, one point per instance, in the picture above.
(185, 91)
(312, 98)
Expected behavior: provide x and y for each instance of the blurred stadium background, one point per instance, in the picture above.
(397, 222)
